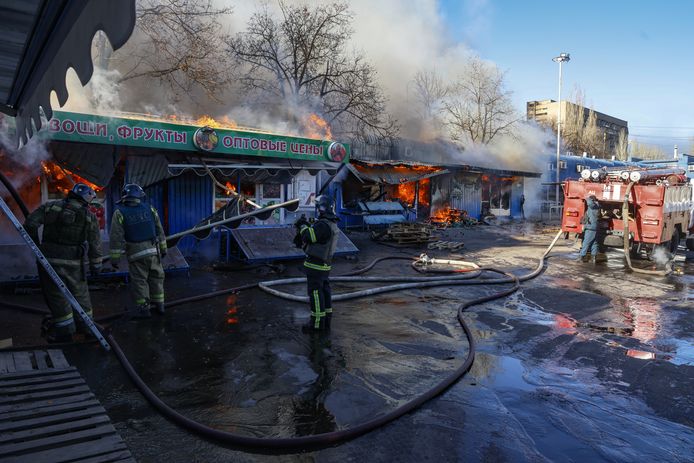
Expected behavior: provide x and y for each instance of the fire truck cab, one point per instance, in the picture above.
(660, 207)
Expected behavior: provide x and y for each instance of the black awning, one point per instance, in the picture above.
(92, 162)
(41, 39)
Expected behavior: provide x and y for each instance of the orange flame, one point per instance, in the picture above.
(448, 215)
(63, 178)
(405, 192)
(230, 187)
(317, 128)
(209, 121)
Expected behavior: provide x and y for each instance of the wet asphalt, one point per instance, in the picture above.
(587, 362)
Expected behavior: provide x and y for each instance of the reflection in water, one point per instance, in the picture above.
(644, 315)
(646, 318)
(232, 318)
(310, 414)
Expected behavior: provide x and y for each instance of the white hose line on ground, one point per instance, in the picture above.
(413, 282)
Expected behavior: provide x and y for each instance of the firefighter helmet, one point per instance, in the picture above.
(133, 191)
(325, 205)
(83, 192)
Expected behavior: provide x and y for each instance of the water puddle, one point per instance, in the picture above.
(501, 372)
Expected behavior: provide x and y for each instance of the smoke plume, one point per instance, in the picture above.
(399, 37)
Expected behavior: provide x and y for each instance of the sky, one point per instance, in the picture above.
(631, 59)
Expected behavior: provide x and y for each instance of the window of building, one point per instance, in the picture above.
(223, 196)
(550, 166)
(579, 168)
(562, 164)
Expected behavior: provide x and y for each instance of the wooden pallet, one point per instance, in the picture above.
(405, 234)
(451, 245)
(49, 415)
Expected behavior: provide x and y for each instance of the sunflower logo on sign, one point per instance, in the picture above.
(337, 151)
(205, 138)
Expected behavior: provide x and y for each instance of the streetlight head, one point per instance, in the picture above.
(563, 57)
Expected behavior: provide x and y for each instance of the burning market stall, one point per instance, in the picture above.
(386, 192)
(476, 193)
(188, 171)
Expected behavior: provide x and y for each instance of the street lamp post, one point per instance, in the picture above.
(563, 57)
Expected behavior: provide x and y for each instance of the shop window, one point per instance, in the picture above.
(272, 191)
(222, 196)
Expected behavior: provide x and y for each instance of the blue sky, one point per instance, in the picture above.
(632, 59)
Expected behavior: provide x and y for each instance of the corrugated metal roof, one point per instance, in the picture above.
(441, 153)
(147, 169)
(396, 172)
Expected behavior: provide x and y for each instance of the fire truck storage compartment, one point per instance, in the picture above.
(659, 211)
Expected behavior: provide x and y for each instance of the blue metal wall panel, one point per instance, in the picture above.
(472, 200)
(189, 201)
(516, 192)
(155, 197)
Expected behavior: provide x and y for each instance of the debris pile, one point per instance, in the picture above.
(405, 234)
(451, 217)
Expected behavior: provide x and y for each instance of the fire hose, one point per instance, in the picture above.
(332, 438)
(627, 256)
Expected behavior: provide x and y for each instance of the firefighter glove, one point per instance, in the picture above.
(301, 222)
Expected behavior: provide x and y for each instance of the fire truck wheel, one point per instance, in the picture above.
(674, 242)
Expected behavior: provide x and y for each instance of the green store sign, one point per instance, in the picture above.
(89, 128)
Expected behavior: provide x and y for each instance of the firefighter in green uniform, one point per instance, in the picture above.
(136, 227)
(319, 240)
(70, 230)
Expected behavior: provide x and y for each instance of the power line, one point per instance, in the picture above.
(661, 127)
(661, 136)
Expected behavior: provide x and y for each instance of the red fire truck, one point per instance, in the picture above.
(659, 207)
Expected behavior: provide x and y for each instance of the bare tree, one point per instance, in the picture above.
(479, 107)
(178, 43)
(622, 147)
(300, 60)
(430, 92)
(646, 151)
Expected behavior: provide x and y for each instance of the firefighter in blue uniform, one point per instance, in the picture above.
(136, 228)
(70, 232)
(319, 240)
(590, 222)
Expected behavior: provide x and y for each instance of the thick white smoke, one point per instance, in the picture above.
(24, 162)
(399, 37)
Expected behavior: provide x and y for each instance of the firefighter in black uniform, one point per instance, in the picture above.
(319, 240)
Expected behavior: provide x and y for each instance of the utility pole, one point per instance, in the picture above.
(563, 57)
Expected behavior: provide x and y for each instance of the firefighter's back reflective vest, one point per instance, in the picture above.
(324, 251)
(65, 230)
(138, 222)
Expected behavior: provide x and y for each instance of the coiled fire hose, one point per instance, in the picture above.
(302, 443)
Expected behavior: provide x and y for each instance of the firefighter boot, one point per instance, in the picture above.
(159, 307)
(142, 311)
